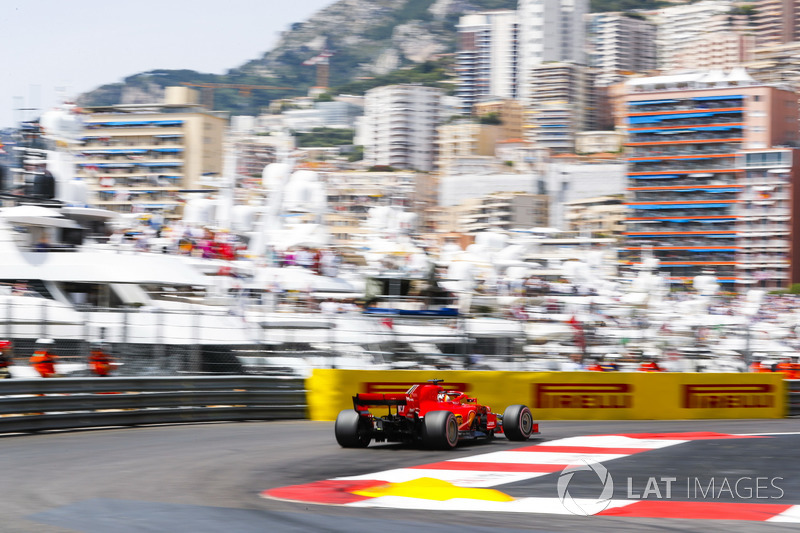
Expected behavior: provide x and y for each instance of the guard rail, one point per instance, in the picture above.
(72, 403)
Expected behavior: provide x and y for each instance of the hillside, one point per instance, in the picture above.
(383, 37)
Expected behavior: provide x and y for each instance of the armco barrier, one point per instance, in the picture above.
(63, 403)
(793, 386)
(573, 395)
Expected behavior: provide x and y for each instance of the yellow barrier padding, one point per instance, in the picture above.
(427, 488)
(571, 395)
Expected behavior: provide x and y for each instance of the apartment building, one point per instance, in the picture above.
(252, 155)
(718, 50)
(350, 196)
(597, 142)
(495, 212)
(566, 179)
(321, 115)
(768, 227)
(141, 156)
(621, 44)
(489, 178)
(509, 112)
(692, 200)
(681, 28)
(398, 128)
(487, 57)
(601, 216)
(776, 22)
(462, 139)
(776, 64)
(549, 30)
(557, 105)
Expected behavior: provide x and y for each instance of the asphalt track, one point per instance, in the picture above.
(209, 478)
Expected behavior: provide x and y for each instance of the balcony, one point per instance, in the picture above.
(678, 180)
(721, 227)
(679, 211)
(683, 137)
(672, 150)
(658, 106)
(683, 166)
(756, 244)
(763, 259)
(694, 118)
(762, 212)
(691, 195)
(681, 241)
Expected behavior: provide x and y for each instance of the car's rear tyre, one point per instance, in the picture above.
(440, 430)
(352, 430)
(517, 422)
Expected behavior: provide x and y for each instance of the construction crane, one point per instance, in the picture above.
(322, 61)
(244, 90)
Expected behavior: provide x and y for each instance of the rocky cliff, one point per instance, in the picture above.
(381, 36)
(367, 38)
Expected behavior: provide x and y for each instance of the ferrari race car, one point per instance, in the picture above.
(430, 415)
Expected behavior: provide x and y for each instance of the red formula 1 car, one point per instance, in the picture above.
(431, 415)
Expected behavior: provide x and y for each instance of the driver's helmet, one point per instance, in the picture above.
(98, 345)
(442, 396)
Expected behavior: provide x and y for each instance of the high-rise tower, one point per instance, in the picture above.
(487, 62)
(776, 21)
(621, 44)
(710, 177)
(550, 30)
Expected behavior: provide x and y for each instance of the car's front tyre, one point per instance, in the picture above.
(517, 422)
(352, 430)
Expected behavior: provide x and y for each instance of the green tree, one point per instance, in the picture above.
(492, 118)
(325, 137)
(357, 154)
(599, 6)
(747, 10)
(429, 73)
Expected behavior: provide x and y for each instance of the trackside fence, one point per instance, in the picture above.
(71, 403)
(793, 389)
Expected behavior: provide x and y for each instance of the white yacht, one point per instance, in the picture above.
(52, 287)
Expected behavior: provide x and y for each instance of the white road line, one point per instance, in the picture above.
(552, 506)
(540, 458)
(792, 514)
(612, 441)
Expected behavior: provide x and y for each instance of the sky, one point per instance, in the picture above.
(57, 49)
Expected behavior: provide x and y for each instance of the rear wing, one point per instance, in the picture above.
(376, 399)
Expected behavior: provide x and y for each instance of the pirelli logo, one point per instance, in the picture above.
(583, 395)
(383, 387)
(728, 396)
